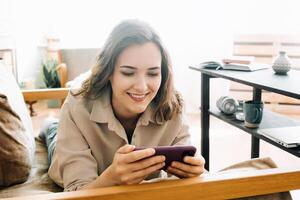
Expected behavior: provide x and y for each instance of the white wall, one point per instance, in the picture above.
(192, 30)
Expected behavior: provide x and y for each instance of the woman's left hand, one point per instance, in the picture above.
(192, 167)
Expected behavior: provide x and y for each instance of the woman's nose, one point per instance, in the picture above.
(141, 84)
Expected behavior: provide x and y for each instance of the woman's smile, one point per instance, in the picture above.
(137, 97)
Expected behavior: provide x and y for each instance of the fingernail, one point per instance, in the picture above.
(153, 151)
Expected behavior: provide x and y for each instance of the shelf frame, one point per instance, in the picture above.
(259, 80)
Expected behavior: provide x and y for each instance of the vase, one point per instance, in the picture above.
(281, 64)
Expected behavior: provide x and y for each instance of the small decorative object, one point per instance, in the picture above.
(239, 116)
(53, 49)
(227, 105)
(282, 64)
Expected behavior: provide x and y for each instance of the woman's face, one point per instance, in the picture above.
(136, 79)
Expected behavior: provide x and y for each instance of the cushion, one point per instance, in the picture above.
(257, 164)
(16, 133)
(38, 182)
(78, 80)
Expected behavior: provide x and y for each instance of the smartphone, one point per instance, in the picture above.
(172, 153)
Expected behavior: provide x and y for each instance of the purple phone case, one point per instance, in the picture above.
(172, 153)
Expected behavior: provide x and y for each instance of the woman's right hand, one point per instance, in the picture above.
(132, 167)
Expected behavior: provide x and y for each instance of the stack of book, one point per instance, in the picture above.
(244, 60)
(239, 63)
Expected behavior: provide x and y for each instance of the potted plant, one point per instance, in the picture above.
(51, 79)
(50, 74)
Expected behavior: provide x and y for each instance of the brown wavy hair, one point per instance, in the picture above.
(167, 101)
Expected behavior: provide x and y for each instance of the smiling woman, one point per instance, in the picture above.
(129, 100)
(135, 81)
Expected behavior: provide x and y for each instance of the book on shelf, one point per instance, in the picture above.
(246, 60)
(233, 66)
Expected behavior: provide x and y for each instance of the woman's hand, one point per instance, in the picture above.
(132, 167)
(192, 166)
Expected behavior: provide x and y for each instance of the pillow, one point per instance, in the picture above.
(78, 80)
(257, 164)
(16, 134)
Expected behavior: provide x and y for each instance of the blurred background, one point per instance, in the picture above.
(193, 31)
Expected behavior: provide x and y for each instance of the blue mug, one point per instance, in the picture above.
(253, 112)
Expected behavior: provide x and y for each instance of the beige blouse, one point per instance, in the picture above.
(89, 135)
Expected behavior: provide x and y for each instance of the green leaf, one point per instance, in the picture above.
(50, 74)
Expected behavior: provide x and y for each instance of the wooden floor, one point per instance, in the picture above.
(228, 144)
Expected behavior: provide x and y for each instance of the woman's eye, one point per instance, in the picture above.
(153, 74)
(127, 73)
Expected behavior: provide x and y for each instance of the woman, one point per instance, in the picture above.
(128, 101)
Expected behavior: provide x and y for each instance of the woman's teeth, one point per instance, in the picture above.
(137, 97)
